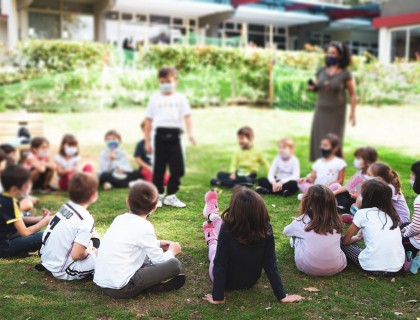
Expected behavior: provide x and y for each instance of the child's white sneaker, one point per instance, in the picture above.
(173, 201)
(300, 196)
(160, 201)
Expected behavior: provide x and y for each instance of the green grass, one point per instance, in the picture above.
(26, 293)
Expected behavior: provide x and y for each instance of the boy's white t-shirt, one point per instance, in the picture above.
(328, 171)
(67, 163)
(284, 170)
(123, 250)
(168, 111)
(384, 250)
(72, 223)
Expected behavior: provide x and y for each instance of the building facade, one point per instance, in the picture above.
(281, 24)
(399, 31)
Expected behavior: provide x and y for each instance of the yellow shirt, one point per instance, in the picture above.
(247, 161)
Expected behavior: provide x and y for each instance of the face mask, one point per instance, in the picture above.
(360, 199)
(112, 144)
(357, 164)
(167, 87)
(326, 152)
(70, 151)
(369, 177)
(331, 61)
(285, 155)
(43, 154)
(412, 183)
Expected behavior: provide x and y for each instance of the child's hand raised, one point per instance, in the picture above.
(46, 212)
(208, 297)
(292, 298)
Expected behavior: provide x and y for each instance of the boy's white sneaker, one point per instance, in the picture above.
(160, 201)
(173, 201)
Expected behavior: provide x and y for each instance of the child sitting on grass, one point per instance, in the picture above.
(284, 172)
(317, 234)
(41, 166)
(131, 260)
(241, 245)
(144, 161)
(376, 223)
(70, 241)
(383, 172)
(330, 170)
(68, 161)
(15, 236)
(245, 163)
(411, 231)
(114, 168)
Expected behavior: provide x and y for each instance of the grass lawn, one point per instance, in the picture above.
(27, 294)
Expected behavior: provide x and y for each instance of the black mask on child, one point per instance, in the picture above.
(326, 152)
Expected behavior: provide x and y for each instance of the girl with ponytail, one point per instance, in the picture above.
(382, 171)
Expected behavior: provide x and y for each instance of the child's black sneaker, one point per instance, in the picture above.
(215, 182)
(262, 190)
(172, 284)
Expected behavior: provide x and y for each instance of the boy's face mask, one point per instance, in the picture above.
(167, 88)
(112, 144)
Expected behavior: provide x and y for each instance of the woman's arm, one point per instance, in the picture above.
(351, 88)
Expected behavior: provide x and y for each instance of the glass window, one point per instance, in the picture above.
(256, 28)
(141, 18)
(178, 21)
(112, 15)
(160, 19)
(76, 7)
(414, 51)
(44, 26)
(78, 27)
(127, 16)
(398, 44)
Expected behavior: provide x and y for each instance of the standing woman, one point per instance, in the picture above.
(332, 82)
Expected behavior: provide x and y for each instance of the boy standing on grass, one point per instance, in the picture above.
(131, 259)
(165, 116)
(69, 244)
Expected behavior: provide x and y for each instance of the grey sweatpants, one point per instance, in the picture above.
(145, 277)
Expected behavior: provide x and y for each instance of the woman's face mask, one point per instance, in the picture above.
(331, 61)
(112, 144)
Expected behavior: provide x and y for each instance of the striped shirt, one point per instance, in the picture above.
(413, 229)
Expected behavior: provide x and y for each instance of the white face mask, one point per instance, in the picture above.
(70, 151)
(370, 178)
(167, 87)
(357, 164)
(412, 183)
(43, 153)
(285, 155)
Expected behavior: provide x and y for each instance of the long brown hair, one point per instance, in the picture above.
(70, 140)
(377, 194)
(385, 172)
(320, 205)
(247, 216)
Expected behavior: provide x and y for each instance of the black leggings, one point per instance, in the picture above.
(352, 253)
(406, 242)
(226, 181)
(291, 186)
(344, 202)
(119, 183)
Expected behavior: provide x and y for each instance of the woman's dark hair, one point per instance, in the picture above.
(343, 50)
(69, 140)
(389, 175)
(247, 132)
(335, 144)
(415, 168)
(38, 141)
(14, 176)
(247, 216)
(368, 154)
(377, 194)
(320, 205)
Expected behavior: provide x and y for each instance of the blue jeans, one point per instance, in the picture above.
(18, 244)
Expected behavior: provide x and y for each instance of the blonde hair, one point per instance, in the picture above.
(288, 142)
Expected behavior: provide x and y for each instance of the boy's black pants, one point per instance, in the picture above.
(168, 151)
